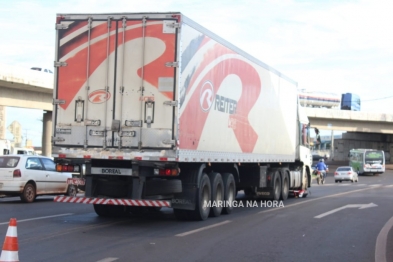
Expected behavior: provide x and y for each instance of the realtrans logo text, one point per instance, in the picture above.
(221, 103)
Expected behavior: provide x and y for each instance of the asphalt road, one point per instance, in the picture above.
(302, 230)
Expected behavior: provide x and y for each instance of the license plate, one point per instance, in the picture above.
(76, 181)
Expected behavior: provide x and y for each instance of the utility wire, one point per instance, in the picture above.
(386, 97)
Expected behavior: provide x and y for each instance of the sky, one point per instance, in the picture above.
(335, 46)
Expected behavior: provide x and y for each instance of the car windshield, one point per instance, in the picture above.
(344, 169)
(8, 162)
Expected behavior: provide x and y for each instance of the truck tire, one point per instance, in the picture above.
(305, 194)
(217, 194)
(229, 192)
(203, 196)
(277, 186)
(163, 187)
(109, 210)
(284, 187)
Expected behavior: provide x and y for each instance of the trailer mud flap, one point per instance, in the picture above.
(186, 199)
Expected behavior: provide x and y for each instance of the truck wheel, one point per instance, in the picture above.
(203, 197)
(29, 194)
(109, 210)
(163, 187)
(229, 192)
(217, 194)
(277, 186)
(284, 187)
(305, 194)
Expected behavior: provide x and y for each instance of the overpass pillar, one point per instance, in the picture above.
(47, 133)
(332, 146)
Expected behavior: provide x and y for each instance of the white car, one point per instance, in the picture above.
(28, 176)
(345, 173)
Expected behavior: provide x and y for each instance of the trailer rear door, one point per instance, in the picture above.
(115, 82)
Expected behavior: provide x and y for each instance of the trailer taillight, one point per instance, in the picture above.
(67, 168)
(167, 172)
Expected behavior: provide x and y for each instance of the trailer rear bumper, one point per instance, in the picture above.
(112, 201)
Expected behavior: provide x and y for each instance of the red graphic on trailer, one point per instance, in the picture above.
(192, 121)
(206, 96)
(73, 76)
(99, 96)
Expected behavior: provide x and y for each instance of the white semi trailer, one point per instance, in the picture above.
(160, 112)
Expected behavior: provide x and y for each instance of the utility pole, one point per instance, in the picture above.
(26, 130)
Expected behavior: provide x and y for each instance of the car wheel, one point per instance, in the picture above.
(335, 181)
(72, 191)
(352, 180)
(29, 194)
(341, 181)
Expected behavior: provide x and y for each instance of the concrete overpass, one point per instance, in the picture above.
(22, 87)
(351, 121)
(364, 130)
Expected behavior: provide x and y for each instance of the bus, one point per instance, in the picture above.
(350, 101)
(367, 161)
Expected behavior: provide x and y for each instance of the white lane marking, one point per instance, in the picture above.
(315, 199)
(376, 185)
(360, 206)
(108, 259)
(380, 245)
(389, 186)
(202, 228)
(347, 184)
(37, 218)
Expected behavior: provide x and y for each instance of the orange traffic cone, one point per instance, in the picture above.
(10, 247)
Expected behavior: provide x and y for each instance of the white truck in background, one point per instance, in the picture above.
(5, 147)
(160, 112)
(23, 151)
